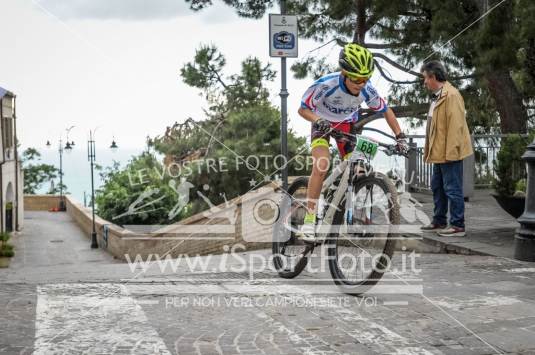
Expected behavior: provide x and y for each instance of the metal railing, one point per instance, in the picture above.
(478, 169)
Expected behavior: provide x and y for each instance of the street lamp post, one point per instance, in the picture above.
(91, 158)
(61, 202)
(91, 155)
(61, 149)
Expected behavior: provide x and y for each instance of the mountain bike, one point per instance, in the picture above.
(358, 211)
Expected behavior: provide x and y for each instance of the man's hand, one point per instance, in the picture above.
(402, 146)
(322, 125)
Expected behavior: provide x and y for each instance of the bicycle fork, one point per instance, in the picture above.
(350, 203)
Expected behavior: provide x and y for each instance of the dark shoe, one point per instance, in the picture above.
(452, 231)
(433, 227)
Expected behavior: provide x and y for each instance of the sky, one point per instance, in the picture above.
(114, 64)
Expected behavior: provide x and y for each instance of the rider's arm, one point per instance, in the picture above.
(308, 114)
(392, 121)
(310, 101)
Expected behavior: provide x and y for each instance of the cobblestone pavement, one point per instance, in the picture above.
(469, 305)
(456, 305)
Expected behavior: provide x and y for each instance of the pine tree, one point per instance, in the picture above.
(484, 56)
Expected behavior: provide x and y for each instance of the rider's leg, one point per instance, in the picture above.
(320, 155)
(320, 158)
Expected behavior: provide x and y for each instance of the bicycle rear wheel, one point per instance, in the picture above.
(290, 254)
(360, 252)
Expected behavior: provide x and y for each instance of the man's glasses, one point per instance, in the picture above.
(358, 81)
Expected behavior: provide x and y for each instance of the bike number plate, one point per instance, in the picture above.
(367, 147)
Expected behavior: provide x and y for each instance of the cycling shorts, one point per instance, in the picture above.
(345, 147)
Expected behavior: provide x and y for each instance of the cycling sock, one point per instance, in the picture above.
(310, 218)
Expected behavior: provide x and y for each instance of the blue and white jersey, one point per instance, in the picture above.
(330, 99)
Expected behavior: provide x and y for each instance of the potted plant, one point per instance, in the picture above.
(6, 250)
(510, 169)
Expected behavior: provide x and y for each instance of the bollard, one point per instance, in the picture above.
(524, 243)
(411, 173)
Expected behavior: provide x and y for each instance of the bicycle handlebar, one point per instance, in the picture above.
(390, 149)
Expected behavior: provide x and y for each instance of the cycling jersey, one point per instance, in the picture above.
(330, 99)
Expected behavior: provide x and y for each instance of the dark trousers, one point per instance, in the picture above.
(447, 186)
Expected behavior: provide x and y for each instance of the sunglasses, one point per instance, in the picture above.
(358, 81)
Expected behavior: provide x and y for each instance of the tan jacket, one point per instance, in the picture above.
(448, 138)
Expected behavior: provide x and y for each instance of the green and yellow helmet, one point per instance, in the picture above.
(356, 61)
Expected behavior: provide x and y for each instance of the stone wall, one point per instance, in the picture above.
(210, 232)
(40, 202)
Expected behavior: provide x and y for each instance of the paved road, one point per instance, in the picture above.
(95, 305)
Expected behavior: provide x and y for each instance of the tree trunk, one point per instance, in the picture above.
(360, 31)
(513, 114)
(530, 59)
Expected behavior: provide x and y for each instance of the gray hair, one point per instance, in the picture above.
(436, 68)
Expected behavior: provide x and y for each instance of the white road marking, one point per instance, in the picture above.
(92, 318)
(521, 270)
(475, 302)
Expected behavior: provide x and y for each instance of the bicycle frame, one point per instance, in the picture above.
(328, 216)
(344, 168)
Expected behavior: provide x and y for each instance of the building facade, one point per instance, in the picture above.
(11, 176)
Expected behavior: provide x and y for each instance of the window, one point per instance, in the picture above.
(7, 132)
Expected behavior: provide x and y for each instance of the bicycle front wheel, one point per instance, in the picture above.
(290, 254)
(361, 243)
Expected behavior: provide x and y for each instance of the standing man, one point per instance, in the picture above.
(447, 143)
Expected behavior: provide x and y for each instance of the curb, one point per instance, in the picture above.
(430, 244)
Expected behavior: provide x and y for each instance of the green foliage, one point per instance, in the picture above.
(525, 76)
(250, 8)
(204, 71)
(223, 94)
(247, 134)
(509, 167)
(4, 237)
(7, 253)
(240, 124)
(144, 174)
(247, 88)
(36, 174)
(520, 185)
(231, 93)
(6, 249)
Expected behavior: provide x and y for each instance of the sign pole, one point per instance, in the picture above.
(284, 113)
(283, 34)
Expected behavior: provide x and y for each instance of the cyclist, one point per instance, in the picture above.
(333, 102)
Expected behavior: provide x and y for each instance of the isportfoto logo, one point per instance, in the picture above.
(256, 265)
